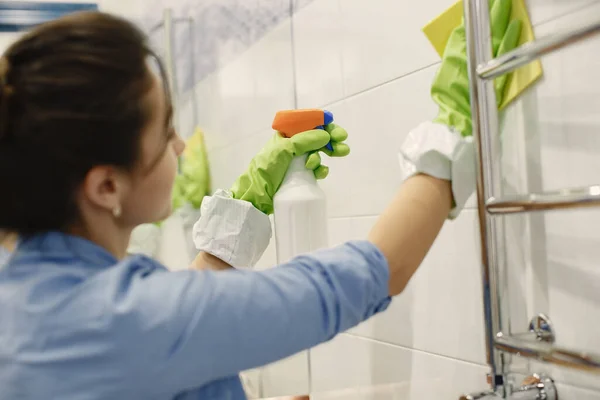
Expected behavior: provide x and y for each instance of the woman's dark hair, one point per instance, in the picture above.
(71, 98)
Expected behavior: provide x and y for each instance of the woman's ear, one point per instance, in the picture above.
(103, 187)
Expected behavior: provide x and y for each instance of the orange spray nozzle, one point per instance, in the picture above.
(291, 122)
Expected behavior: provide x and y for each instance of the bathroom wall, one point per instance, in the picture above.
(132, 9)
(369, 63)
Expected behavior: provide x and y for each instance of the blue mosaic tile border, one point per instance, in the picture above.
(16, 16)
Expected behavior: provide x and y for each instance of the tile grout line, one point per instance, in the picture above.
(363, 216)
(538, 24)
(356, 336)
(567, 14)
(379, 85)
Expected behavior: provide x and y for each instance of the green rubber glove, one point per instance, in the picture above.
(450, 89)
(267, 169)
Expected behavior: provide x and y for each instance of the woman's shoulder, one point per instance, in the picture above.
(57, 260)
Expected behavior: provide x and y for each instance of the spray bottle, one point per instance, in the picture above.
(300, 212)
(299, 204)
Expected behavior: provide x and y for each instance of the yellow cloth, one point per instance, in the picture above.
(438, 31)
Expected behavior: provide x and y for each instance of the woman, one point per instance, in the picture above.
(86, 117)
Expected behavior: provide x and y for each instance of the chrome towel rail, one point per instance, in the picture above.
(542, 351)
(560, 199)
(538, 343)
(534, 50)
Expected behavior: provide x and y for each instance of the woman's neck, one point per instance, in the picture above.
(109, 236)
(8, 240)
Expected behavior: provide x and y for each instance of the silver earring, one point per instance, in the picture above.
(116, 211)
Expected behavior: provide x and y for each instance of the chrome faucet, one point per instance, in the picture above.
(535, 387)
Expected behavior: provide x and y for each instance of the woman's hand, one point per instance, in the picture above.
(267, 169)
(443, 148)
(450, 89)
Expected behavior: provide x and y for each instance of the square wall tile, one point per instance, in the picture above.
(224, 103)
(242, 98)
(383, 40)
(441, 310)
(269, 257)
(352, 362)
(274, 86)
(342, 230)
(541, 11)
(129, 9)
(377, 122)
(185, 115)
(567, 392)
(318, 38)
(287, 377)
(227, 163)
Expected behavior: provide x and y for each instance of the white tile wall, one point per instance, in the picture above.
(242, 98)
(437, 312)
(127, 8)
(318, 38)
(572, 392)
(364, 183)
(349, 361)
(544, 10)
(382, 40)
(369, 63)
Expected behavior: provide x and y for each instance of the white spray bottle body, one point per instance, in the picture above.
(300, 212)
(300, 216)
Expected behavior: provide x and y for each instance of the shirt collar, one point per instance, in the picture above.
(58, 244)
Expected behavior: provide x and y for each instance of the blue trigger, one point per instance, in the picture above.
(329, 145)
(327, 119)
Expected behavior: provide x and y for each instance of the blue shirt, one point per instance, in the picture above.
(75, 323)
